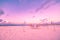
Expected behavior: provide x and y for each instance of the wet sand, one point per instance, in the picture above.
(29, 33)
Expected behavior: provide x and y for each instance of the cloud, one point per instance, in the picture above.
(57, 1)
(24, 5)
(46, 4)
(1, 12)
(1, 20)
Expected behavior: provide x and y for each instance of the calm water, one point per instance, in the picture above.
(30, 33)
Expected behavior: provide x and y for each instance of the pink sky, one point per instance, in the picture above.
(24, 11)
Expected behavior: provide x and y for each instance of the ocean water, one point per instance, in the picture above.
(30, 33)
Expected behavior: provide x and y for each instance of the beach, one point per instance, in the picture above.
(29, 33)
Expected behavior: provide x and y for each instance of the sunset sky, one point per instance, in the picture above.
(30, 11)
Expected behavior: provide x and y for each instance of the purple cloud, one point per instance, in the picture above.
(46, 4)
(1, 20)
(1, 12)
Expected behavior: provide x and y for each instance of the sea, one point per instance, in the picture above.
(51, 32)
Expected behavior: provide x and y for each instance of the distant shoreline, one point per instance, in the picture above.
(27, 24)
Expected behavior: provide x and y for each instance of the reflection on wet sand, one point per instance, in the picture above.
(29, 33)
